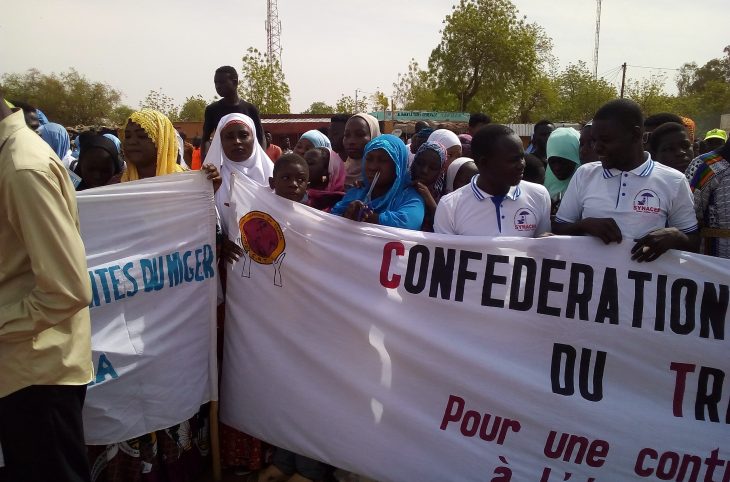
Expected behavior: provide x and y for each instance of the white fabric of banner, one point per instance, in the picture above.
(150, 248)
(408, 356)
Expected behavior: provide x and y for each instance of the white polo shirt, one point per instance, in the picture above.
(524, 211)
(647, 198)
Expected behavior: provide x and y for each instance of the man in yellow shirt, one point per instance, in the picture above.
(45, 331)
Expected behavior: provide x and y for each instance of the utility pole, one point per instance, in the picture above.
(623, 79)
(598, 35)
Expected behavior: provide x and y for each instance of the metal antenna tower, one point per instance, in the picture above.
(273, 31)
(598, 36)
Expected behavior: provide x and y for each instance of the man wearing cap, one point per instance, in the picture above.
(715, 138)
(45, 330)
(709, 180)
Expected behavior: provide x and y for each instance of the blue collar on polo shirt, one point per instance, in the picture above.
(513, 193)
(643, 170)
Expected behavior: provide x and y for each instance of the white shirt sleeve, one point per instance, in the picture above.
(543, 223)
(443, 221)
(571, 206)
(682, 215)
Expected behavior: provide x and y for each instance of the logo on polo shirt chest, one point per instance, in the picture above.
(647, 201)
(525, 220)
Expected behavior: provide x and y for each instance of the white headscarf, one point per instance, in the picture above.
(444, 137)
(258, 167)
(453, 170)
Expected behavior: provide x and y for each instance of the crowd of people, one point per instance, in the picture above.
(650, 181)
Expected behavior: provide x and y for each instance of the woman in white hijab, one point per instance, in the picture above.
(234, 150)
(450, 141)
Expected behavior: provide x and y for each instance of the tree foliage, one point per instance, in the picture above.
(484, 45)
(380, 101)
(346, 104)
(263, 83)
(193, 109)
(119, 115)
(159, 101)
(67, 98)
(319, 107)
(414, 90)
(579, 95)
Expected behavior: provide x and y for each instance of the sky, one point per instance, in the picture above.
(329, 47)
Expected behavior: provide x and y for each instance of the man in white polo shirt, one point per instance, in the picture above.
(496, 202)
(627, 194)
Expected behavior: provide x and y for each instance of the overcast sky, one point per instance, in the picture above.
(330, 47)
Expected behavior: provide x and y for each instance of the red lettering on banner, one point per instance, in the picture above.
(671, 465)
(709, 394)
(472, 422)
(594, 453)
(682, 369)
(388, 250)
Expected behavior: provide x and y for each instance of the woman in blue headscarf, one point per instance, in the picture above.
(57, 137)
(310, 140)
(392, 201)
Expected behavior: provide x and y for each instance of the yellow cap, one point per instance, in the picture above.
(716, 134)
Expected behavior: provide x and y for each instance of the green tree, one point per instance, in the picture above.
(120, 114)
(579, 94)
(67, 98)
(193, 109)
(704, 92)
(159, 101)
(380, 101)
(649, 93)
(414, 90)
(264, 84)
(483, 46)
(346, 104)
(319, 107)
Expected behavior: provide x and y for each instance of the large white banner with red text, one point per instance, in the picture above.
(150, 247)
(406, 356)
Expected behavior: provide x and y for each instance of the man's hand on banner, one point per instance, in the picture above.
(230, 251)
(213, 175)
(651, 246)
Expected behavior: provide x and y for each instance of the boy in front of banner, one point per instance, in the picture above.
(290, 180)
(627, 194)
(497, 202)
(45, 330)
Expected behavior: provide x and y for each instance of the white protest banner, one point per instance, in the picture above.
(407, 356)
(150, 248)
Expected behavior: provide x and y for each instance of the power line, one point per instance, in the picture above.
(655, 68)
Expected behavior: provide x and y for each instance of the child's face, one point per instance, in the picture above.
(426, 167)
(675, 150)
(290, 181)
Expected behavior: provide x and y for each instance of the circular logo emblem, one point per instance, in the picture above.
(261, 237)
(525, 220)
(647, 201)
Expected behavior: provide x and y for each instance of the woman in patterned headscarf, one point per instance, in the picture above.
(427, 174)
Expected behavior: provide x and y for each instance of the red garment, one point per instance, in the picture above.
(196, 163)
(274, 152)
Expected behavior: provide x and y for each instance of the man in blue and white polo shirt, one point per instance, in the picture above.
(627, 194)
(496, 202)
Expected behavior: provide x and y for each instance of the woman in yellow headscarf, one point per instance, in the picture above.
(149, 143)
